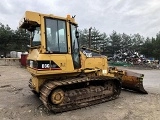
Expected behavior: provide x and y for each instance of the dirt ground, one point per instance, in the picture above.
(19, 103)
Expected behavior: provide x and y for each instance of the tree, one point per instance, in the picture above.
(156, 45)
(137, 42)
(21, 40)
(12, 40)
(5, 38)
(126, 41)
(151, 47)
(115, 42)
(147, 48)
(98, 39)
(84, 36)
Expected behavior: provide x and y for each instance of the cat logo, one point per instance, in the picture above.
(87, 54)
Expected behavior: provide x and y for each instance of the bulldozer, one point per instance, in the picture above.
(65, 76)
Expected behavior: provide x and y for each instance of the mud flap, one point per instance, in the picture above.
(133, 81)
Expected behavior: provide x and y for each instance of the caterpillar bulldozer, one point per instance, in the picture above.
(65, 76)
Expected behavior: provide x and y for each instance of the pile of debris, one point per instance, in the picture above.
(131, 57)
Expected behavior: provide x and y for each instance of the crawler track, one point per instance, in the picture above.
(89, 91)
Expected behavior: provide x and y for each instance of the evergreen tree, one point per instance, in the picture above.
(12, 40)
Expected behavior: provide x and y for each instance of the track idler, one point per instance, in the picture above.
(133, 81)
(57, 96)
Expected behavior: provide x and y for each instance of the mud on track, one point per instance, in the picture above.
(18, 102)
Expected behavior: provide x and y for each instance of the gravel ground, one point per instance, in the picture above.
(18, 102)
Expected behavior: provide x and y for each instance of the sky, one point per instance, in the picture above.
(122, 16)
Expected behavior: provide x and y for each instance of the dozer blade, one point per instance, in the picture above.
(133, 81)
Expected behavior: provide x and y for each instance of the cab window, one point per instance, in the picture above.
(56, 40)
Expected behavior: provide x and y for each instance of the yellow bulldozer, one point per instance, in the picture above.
(65, 76)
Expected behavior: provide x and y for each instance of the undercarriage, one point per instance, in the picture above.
(70, 94)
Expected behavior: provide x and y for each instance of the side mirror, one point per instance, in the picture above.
(77, 34)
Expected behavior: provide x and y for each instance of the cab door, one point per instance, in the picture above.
(75, 48)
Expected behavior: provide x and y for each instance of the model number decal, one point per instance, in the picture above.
(45, 65)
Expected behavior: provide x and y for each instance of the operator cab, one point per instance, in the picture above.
(52, 34)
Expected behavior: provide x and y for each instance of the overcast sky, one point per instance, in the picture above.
(128, 16)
